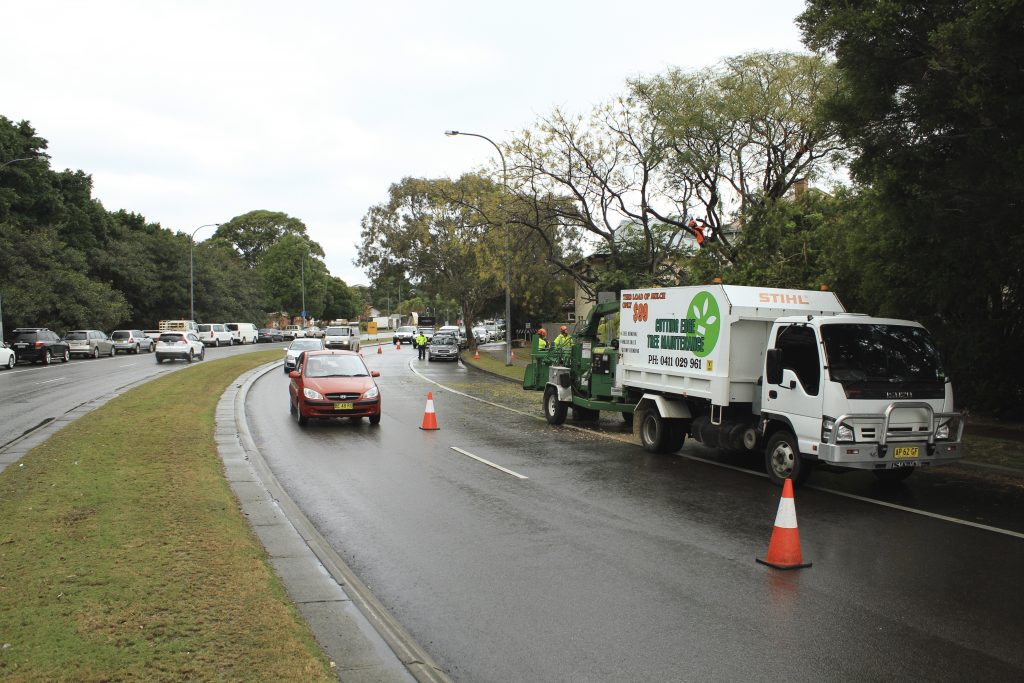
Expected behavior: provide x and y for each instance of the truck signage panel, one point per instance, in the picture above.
(678, 328)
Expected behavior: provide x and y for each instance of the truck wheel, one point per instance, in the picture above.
(894, 475)
(554, 410)
(676, 435)
(782, 460)
(653, 432)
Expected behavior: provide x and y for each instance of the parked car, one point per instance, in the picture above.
(214, 334)
(7, 357)
(297, 347)
(332, 384)
(179, 345)
(314, 332)
(343, 337)
(443, 347)
(293, 332)
(269, 334)
(132, 341)
(242, 333)
(152, 334)
(89, 343)
(480, 334)
(39, 344)
(404, 334)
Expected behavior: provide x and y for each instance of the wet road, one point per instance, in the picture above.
(34, 394)
(607, 563)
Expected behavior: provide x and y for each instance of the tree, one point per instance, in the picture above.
(253, 234)
(290, 272)
(738, 135)
(931, 100)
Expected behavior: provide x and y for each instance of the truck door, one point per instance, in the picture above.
(799, 396)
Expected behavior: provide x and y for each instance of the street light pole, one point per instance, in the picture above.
(191, 277)
(508, 285)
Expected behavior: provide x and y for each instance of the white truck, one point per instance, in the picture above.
(786, 373)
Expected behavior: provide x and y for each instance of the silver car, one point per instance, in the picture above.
(298, 346)
(132, 341)
(443, 347)
(89, 343)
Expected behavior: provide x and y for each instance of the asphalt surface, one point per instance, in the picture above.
(607, 563)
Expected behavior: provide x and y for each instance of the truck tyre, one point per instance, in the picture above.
(895, 475)
(782, 459)
(554, 410)
(654, 432)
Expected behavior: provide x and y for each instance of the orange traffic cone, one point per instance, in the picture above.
(398, 344)
(380, 348)
(429, 416)
(476, 356)
(513, 355)
(784, 546)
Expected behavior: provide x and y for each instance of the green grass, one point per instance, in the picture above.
(493, 364)
(124, 556)
(993, 451)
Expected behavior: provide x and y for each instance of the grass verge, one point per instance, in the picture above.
(494, 365)
(124, 556)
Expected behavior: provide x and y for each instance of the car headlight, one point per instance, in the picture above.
(310, 393)
(372, 392)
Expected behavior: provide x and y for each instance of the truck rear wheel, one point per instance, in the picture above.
(554, 410)
(660, 435)
(782, 459)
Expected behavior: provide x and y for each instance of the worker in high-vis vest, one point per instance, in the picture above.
(563, 341)
(542, 342)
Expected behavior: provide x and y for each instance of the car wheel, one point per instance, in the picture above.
(46, 357)
(95, 352)
(191, 355)
(782, 459)
(137, 349)
(375, 419)
(216, 342)
(299, 417)
(291, 405)
(159, 360)
(10, 362)
(66, 356)
(112, 351)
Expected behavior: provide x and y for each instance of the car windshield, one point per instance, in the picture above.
(76, 335)
(337, 332)
(881, 353)
(335, 366)
(440, 340)
(305, 344)
(406, 329)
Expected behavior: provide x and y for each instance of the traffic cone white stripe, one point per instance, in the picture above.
(785, 518)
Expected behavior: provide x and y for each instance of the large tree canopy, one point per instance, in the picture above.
(931, 99)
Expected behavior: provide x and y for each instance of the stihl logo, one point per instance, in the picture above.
(775, 298)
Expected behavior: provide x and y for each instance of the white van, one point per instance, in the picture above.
(242, 333)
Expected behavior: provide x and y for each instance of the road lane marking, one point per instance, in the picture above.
(50, 380)
(617, 437)
(489, 463)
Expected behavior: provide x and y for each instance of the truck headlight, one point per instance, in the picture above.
(942, 433)
(845, 433)
(310, 393)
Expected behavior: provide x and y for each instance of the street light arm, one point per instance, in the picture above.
(191, 277)
(14, 161)
(504, 168)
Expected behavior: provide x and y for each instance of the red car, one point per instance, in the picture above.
(328, 384)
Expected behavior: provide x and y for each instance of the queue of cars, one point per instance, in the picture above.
(43, 345)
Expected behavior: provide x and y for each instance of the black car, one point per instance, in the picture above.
(39, 344)
(267, 334)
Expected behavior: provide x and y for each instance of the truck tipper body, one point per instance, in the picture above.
(787, 374)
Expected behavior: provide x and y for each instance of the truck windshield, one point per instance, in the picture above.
(870, 359)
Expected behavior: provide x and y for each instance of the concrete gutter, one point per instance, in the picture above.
(361, 638)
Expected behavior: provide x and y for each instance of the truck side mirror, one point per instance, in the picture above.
(773, 366)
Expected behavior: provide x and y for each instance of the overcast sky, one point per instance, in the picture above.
(196, 112)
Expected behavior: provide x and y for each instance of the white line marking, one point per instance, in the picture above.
(50, 380)
(489, 463)
(616, 437)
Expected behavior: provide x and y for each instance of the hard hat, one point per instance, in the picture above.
(542, 332)
(563, 328)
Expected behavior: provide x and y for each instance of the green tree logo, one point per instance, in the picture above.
(707, 321)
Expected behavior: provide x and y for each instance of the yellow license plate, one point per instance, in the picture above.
(343, 406)
(906, 452)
